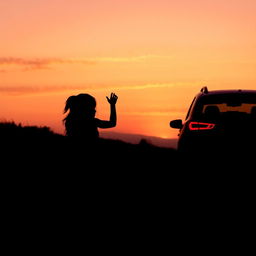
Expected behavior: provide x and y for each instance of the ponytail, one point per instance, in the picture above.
(69, 103)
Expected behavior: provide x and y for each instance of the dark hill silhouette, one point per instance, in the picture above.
(41, 145)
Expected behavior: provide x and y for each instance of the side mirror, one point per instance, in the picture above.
(177, 124)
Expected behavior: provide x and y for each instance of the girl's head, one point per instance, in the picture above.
(82, 104)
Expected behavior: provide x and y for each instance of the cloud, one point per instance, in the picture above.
(130, 59)
(154, 113)
(47, 63)
(39, 63)
(21, 89)
(153, 86)
(144, 86)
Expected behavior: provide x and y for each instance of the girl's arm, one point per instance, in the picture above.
(112, 119)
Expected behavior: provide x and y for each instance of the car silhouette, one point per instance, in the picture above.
(219, 120)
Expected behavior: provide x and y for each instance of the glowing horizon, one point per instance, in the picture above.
(155, 55)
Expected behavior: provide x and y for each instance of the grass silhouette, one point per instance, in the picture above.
(11, 129)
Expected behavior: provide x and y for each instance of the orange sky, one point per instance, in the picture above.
(154, 54)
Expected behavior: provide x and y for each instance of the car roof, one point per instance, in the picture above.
(225, 92)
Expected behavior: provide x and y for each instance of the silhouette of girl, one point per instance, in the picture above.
(80, 122)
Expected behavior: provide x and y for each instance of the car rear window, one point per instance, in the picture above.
(224, 107)
(227, 104)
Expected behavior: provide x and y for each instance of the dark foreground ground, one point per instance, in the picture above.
(55, 188)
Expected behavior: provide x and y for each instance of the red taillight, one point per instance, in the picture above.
(195, 126)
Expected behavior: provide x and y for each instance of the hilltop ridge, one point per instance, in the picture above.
(41, 144)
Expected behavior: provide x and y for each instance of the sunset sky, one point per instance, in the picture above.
(154, 54)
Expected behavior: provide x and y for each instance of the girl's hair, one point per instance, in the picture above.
(80, 108)
(82, 102)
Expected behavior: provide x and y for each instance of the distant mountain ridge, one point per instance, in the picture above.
(136, 138)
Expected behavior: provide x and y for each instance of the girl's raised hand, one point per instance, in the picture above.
(113, 99)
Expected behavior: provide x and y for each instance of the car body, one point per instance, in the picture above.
(219, 120)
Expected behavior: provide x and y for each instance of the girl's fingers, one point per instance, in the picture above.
(113, 96)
